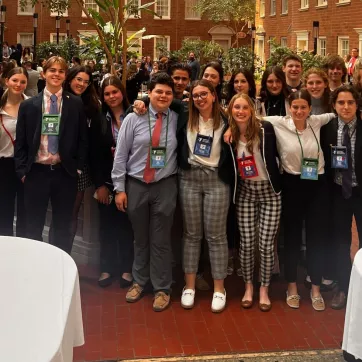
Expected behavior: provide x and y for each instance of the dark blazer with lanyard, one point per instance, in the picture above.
(342, 209)
(73, 140)
(56, 182)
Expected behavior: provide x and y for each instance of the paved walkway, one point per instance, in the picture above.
(117, 330)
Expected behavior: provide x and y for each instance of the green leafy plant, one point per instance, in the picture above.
(67, 49)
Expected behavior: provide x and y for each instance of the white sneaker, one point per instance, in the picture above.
(187, 298)
(218, 302)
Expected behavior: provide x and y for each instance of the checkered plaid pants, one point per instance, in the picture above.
(257, 205)
(204, 201)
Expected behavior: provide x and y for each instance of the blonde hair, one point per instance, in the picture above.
(53, 60)
(253, 127)
(194, 114)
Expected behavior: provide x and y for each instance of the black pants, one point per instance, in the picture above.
(116, 239)
(343, 212)
(304, 199)
(11, 188)
(42, 184)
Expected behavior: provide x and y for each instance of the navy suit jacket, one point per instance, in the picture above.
(73, 140)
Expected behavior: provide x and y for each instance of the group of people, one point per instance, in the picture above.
(178, 159)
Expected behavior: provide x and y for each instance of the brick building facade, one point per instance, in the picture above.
(290, 23)
(179, 21)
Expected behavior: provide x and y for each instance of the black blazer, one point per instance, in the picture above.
(329, 138)
(101, 158)
(73, 134)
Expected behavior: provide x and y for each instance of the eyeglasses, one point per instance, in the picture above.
(202, 95)
(82, 81)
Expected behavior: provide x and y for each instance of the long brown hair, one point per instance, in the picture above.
(194, 114)
(14, 71)
(253, 127)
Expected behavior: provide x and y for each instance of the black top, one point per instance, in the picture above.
(73, 135)
(275, 105)
(329, 134)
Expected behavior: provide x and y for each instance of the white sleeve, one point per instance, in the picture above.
(322, 119)
(274, 120)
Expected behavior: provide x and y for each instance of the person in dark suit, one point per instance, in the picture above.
(51, 147)
(341, 142)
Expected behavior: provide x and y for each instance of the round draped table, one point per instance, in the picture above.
(352, 336)
(40, 307)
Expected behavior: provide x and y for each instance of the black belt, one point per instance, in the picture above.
(40, 166)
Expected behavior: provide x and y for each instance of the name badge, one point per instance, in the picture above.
(247, 167)
(309, 170)
(50, 124)
(203, 145)
(339, 157)
(157, 157)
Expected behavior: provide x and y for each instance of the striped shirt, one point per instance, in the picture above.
(352, 133)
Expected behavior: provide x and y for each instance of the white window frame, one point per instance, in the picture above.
(359, 32)
(341, 39)
(139, 12)
(304, 4)
(284, 7)
(86, 33)
(18, 38)
(284, 39)
(27, 10)
(164, 17)
(168, 39)
(343, 2)
(322, 3)
(137, 39)
(260, 47)
(321, 40)
(262, 9)
(195, 15)
(83, 13)
(273, 7)
(302, 36)
(53, 37)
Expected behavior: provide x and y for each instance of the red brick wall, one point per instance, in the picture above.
(177, 28)
(333, 20)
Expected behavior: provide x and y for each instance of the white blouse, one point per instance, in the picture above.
(7, 127)
(288, 145)
(206, 129)
(262, 174)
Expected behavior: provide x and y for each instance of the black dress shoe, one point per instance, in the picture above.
(106, 282)
(339, 301)
(124, 283)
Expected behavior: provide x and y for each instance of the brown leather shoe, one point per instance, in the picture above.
(339, 300)
(246, 304)
(161, 301)
(134, 293)
(265, 307)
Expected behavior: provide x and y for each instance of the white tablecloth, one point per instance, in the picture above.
(352, 336)
(40, 309)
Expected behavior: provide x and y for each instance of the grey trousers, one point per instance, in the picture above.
(151, 209)
(205, 203)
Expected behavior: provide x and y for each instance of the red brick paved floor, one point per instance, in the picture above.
(116, 329)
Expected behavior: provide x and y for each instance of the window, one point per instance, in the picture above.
(90, 4)
(272, 7)
(262, 8)
(322, 46)
(86, 33)
(54, 13)
(191, 37)
(284, 41)
(344, 1)
(25, 39)
(27, 10)
(163, 8)
(260, 51)
(62, 37)
(343, 45)
(135, 44)
(304, 4)
(271, 43)
(284, 6)
(133, 6)
(190, 12)
(302, 40)
(161, 44)
(322, 2)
